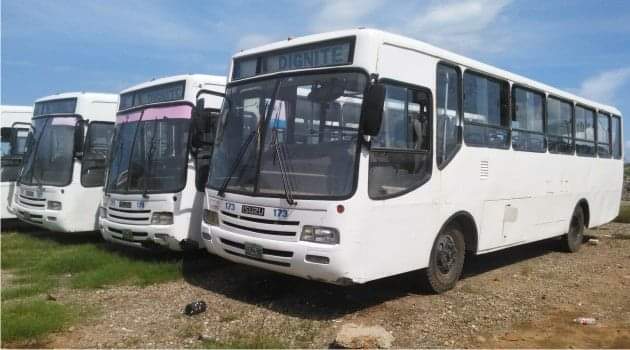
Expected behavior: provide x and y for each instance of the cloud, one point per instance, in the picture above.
(605, 86)
(343, 14)
(463, 26)
(249, 41)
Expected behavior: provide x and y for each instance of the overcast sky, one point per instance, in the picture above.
(51, 46)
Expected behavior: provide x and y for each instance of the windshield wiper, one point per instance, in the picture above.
(150, 159)
(237, 161)
(133, 146)
(282, 159)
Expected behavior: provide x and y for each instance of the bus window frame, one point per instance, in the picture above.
(620, 136)
(547, 134)
(460, 92)
(597, 143)
(85, 145)
(505, 84)
(575, 139)
(544, 117)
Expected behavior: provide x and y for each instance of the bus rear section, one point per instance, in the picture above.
(61, 181)
(355, 155)
(153, 195)
(15, 126)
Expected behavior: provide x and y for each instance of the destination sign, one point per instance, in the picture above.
(331, 53)
(61, 106)
(155, 94)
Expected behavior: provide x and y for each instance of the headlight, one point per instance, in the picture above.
(317, 234)
(210, 217)
(162, 218)
(54, 205)
(103, 212)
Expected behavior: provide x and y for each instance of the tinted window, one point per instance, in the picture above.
(528, 120)
(559, 126)
(485, 111)
(584, 131)
(97, 142)
(448, 113)
(615, 131)
(603, 135)
(400, 157)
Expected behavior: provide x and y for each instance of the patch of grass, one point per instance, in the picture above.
(38, 263)
(31, 319)
(259, 341)
(624, 215)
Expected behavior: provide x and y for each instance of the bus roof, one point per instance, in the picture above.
(382, 37)
(88, 96)
(13, 114)
(195, 78)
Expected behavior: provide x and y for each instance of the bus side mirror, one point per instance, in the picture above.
(373, 109)
(79, 136)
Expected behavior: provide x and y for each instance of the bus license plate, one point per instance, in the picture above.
(248, 209)
(253, 250)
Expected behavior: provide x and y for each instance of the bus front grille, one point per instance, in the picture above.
(126, 216)
(38, 203)
(271, 228)
(238, 249)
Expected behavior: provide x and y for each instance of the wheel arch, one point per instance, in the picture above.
(468, 226)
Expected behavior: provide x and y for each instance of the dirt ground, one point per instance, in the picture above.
(522, 297)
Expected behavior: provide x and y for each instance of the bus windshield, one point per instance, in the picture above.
(150, 150)
(311, 121)
(49, 160)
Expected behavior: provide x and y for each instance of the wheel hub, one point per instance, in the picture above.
(446, 254)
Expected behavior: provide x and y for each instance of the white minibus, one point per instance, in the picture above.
(15, 122)
(159, 162)
(436, 155)
(60, 185)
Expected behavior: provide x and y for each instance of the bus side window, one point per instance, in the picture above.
(400, 157)
(584, 131)
(559, 126)
(603, 135)
(527, 120)
(448, 97)
(486, 112)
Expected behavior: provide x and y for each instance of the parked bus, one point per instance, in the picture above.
(60, 186)
(159, 162)
(450, 156)
(15, 122)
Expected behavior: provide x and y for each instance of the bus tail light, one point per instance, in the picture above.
(318, 234)
(162, 218)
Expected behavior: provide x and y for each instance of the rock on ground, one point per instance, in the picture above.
(352, 336)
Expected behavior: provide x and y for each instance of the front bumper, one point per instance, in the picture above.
(53, 220)
(287, 257)
(144, 235)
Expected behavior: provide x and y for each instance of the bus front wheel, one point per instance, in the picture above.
(572, 241)
(447, 259)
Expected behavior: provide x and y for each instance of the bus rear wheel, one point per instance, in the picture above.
(447, 259)
(572, 241)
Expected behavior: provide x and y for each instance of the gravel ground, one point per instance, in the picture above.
(522, 297)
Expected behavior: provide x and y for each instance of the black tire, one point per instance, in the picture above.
(572, 241)
(447, 259)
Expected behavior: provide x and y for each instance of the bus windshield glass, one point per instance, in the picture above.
(150, 150)
(49, 158)
(301, 129)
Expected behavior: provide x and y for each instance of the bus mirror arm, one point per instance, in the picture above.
(372, 111)
(79, 134)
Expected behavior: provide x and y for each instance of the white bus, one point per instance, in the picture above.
(60, 185)
(450, 155)
(15, 122)
(159, 162)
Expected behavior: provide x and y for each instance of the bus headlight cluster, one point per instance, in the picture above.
(210, 217)
(162, 218)
(103, 212)
(54, 205)
(318, 234)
